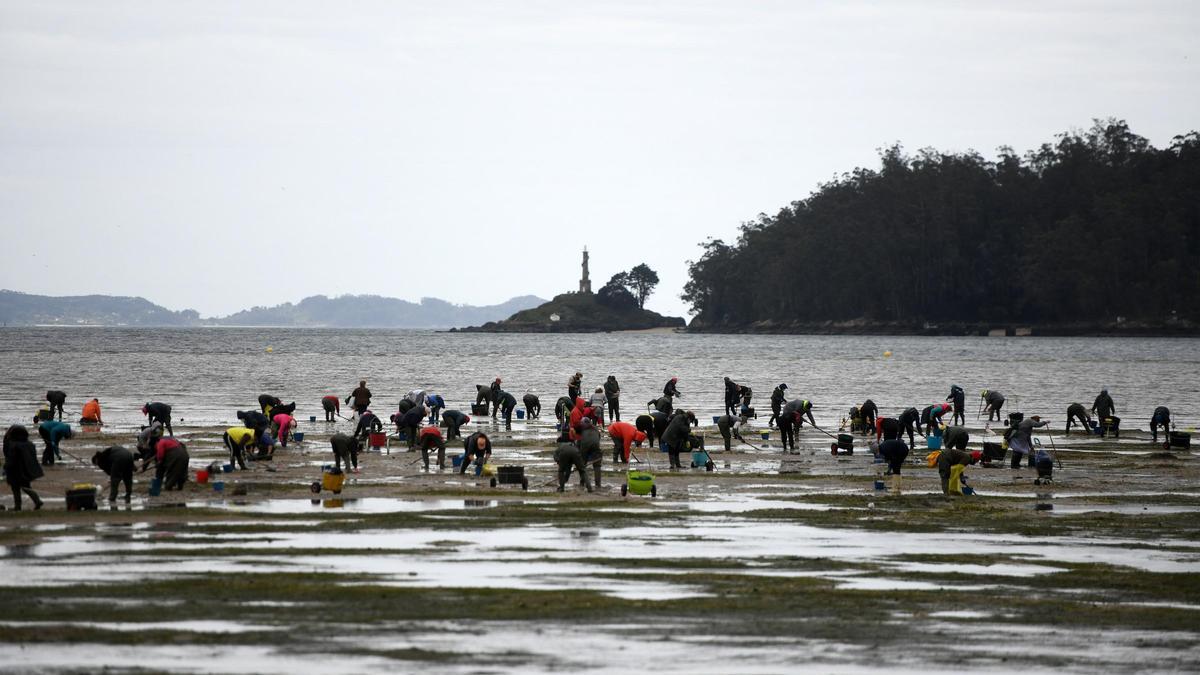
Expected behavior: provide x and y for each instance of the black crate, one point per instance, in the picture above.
(1181, 439)
(994, 451)
(479, 409)
(81, 499)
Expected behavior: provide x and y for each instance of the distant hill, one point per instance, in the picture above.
(23, 309)
(347, 311)
(579, 313)
(373, 311)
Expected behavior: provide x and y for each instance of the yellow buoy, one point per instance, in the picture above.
(270, 349)
(887, 354)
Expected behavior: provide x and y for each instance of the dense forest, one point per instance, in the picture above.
(1095, 226)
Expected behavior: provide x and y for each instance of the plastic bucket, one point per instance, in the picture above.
(202, 476)
(218, 486)
(312, 418)
(699, 458)
(227, 468)
(766, 435)
(377, 440)
(934, 442)
(520, 414)
(640, 482)
(298, 436)
(456, 460)
(716, 418)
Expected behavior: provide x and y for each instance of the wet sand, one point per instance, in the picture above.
(770, 563)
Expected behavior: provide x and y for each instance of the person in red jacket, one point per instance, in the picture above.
(581, 410)
(623, 436)
(429, 438)
(332, 406)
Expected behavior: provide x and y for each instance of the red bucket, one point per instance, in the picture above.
(201, 476)
(378, 440)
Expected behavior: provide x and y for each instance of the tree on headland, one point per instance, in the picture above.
(641, 281)
(1098, 224)
(615, 294)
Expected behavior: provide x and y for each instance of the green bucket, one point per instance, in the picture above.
(640, 482)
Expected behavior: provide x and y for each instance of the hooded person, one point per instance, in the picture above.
(1104, 407)
(868, 412)
(21, 466)
(267, 403)
(253, 419)
(589, 446)
(1161, 419)
(568, 457)
(646, 423)
(368, 423)
(612, 396)
(158, 412)
(578, 413)
(731, 396)
(791, 419)
(56, 399)
(436, 405)
(936, 412)
(533, 406)
(908, 423)
(624, 435)
(52, 433)
(671, 388)
(453, 420)
(958, 398)
(411, 422)
(663, 405)
(948, 464)
(563, 407)
(147, 439)
(894, 452)
(172, 469)
(778, 398)
(496, 391)
(675, 437)
(116, 461)
(284, 424)
(507, 403)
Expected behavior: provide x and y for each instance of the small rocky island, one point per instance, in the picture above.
(618, 306)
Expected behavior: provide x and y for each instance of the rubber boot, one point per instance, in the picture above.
(596, 471)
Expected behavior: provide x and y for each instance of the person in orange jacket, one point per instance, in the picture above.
(623, 436)
(581, 410)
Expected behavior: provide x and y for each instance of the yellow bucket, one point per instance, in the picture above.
(333, 481)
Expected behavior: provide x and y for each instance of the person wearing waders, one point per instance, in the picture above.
(345, 449)
(994, 401)
(436, 405)
(332, 406)
(731, 396)
(598, 401)
(158, 412)
(951, 457)
(1161, 418)
(453, 421)
(1020, 442)
(411, 422)
(52, 432)
(1104, 408)
(478, 447)
(589, 447)
(21, 466)
(368, 423)
(430, 438)
(361, 397)
(116, 461)
(612, 395)
(533, 406)
(868, 412)
(172, 470)
(675, 436)
(958, 398)
(731, 428)
(507, 403)
(56, 399)
(495, 396)
(908, 423)
(624, 435)
(1079, 415)
(670, 389)
(567, 456)
(778, 396)
(574, 386)
(956, 437)
(236, 440)
(266, 402)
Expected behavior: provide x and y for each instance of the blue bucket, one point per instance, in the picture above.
(456, 460)
(934, 442)
(219, 486)
(520, 414)
(662, 447)
(155, 487)
(227, 468)
(699, 458)
(298, 436)
(716, 418)
(766, 436)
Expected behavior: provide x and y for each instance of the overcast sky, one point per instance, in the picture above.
(216, 155)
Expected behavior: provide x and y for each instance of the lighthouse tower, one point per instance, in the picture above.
(585, 284)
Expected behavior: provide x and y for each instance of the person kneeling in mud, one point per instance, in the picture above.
(116, 461)
(589, 446)
(430, 438)
(948, 462)
(345, 449)
(568, 457)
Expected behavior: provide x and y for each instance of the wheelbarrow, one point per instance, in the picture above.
(332, 480)
(511, 475)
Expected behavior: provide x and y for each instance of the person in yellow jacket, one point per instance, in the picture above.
(237, 439)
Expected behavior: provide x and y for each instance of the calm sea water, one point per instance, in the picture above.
(208, 373)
